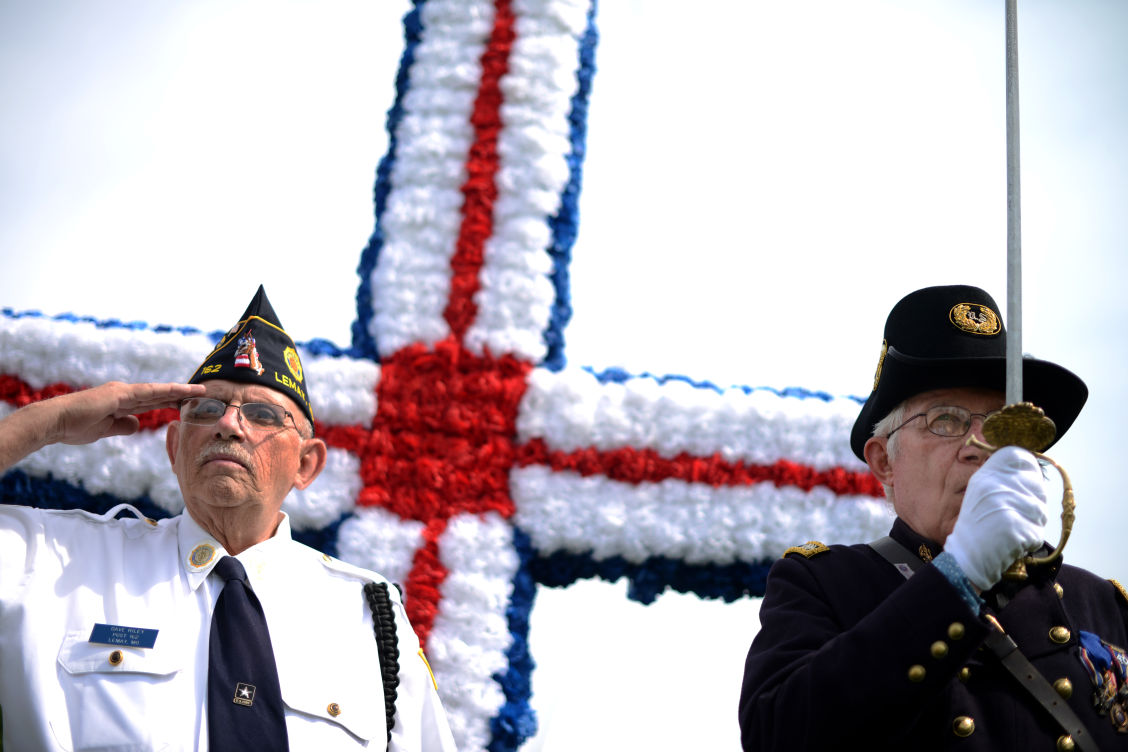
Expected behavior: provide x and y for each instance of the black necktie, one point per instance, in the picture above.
(245, 709)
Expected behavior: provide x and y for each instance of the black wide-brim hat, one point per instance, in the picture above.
(950, 337)
(257, 350)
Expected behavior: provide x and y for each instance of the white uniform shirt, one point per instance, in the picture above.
(62, 572)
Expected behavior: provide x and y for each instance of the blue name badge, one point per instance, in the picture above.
(129, 637)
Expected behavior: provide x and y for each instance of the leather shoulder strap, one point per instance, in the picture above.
(900, 557)
(1005, 649)
(1040, 689)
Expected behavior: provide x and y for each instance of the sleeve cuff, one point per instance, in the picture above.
(948, 567)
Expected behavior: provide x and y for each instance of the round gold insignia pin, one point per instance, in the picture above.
(974, 319)
(290, 355)
(201, 555)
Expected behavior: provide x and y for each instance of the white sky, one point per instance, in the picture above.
(763, 182)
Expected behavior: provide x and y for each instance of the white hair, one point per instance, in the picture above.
(883, 428)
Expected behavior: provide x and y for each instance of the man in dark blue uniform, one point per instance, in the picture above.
(918, 641)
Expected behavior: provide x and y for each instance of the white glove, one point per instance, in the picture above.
(1003, 516)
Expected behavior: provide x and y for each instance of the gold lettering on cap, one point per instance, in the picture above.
(287, 382)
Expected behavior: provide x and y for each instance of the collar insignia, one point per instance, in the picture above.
(201, 555)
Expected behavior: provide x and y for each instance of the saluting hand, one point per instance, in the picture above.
(109, 410)
(85, 416)
(1003, 516)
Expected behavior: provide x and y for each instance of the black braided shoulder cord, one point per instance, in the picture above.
(384, 625)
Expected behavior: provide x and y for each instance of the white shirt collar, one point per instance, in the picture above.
(199, 551)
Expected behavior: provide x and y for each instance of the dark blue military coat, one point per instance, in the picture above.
(851, 655)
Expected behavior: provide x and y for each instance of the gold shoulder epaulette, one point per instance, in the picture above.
(808, 549)
(1123, 593)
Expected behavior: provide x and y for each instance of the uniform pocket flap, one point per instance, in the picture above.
(80, 656)
(331, 696)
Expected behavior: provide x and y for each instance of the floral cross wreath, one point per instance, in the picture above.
(466, 460)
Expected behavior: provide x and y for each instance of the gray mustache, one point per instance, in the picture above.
(224, 451)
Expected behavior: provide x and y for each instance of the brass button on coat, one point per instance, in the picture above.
(1065, 743)
(1059, 635)
(916, 673)
(939, 649)
(956, 631)
(963, 726)
(1059, 590)
(116, 658)
(965, 672)
(1064, 687)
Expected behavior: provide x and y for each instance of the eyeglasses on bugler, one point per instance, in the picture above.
(945, 420)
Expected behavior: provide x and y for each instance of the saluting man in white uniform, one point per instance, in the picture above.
(125, 634)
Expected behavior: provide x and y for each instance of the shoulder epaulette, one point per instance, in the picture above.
(1120, 588)
(808, 549)
(351, 570)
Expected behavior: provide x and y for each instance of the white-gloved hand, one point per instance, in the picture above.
(1003, 516)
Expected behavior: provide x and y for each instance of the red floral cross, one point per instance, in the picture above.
(442, 444)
